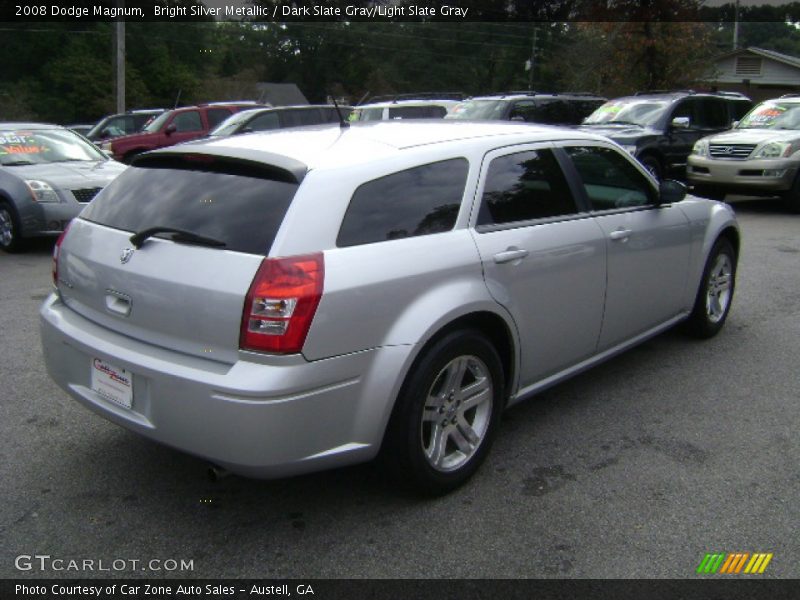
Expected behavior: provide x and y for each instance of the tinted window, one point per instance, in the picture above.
(263, 122)
(216, 116)
(524, 186)
(610, 180)
(417, 112)
(240, 207)
(187, 121)
(418, 201)
(300, 117)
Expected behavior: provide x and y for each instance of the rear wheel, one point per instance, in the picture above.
(714, 297)
(10, 240)
(447, 413)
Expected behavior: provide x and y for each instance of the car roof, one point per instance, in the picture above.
(363, 142)
(418, 102)
(513, 96)
(27, 125)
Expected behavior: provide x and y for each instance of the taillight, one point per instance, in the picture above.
(57, 251)
(281, 303)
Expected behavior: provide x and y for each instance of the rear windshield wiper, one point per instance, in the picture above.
(17, 163)
(179, 235)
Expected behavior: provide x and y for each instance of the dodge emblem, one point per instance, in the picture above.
(126, 255)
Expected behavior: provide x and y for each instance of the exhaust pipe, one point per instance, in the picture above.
(216, 473)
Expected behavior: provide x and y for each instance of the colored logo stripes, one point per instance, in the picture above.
(734, 563)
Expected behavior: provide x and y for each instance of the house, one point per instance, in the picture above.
(757, 73)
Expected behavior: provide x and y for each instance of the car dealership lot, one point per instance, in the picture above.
(634, 469)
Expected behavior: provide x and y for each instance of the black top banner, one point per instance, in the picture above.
(396, 10)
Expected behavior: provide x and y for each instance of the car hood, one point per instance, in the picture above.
(71, 175)
(754, 136)
(619, 132)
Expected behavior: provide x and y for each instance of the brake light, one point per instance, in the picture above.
(281, 303)
(57, 251)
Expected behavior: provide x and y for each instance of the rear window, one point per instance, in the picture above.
(239, 204)
(418, 201)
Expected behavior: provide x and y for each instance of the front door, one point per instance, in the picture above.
(647, 244)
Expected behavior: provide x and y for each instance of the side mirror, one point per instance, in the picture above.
(106, 133)
(171, 128)
(681, 123)
(671, 191)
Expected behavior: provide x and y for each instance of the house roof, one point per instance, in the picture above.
(792, 61)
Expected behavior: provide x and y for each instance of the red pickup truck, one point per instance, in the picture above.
(173, 127)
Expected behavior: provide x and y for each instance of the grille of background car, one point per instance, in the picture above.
(738, 151)
(86, 194)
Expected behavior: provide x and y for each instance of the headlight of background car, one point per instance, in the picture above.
(700, 148)
(41, 191)
(774, 150)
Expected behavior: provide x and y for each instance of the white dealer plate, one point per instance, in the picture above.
(112, 383)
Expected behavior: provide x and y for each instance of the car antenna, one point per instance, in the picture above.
(342, 121)
(177, 99)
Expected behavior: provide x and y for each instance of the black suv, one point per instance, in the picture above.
(551, 109)
(660, 128)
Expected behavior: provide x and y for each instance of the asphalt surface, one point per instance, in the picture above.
(634, 469)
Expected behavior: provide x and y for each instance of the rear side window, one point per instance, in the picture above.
(525, 186)
(236, 204)
(216, 116)
(417, 201)
(298, 118)
(264, 122)
(417, 112)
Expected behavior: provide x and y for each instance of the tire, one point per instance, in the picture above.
(791, 199)
(713, 301)
(652, 164)
(10, 239)
(707, 191)
(439, 433)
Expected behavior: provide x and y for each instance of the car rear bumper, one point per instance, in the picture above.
(255, 419)
(742, 175)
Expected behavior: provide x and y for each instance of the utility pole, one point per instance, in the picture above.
(119, 61)
(736, 26)
(532, 61)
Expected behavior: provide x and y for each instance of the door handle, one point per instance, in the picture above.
(118, 303)
(510, 255)
(620, 235)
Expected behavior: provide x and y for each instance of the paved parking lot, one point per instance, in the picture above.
(635, 469)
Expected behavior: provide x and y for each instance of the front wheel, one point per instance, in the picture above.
(447, 413)
(652, 164)
(10, 239)
(714, 297)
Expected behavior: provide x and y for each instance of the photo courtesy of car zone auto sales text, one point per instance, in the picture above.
(419, 299)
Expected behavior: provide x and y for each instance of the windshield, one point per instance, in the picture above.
(42, 146)
(772, 115)
(631, 111)
(231, 124)
(478, 109)
(156, 123)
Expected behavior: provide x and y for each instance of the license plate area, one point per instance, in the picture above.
(112, 383)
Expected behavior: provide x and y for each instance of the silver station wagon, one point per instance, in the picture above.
(280, 303)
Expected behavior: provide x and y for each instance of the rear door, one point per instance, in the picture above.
(179, 296)
(647, 245)
(543, 258)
